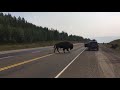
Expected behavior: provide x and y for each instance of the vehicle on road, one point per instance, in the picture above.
(92, 45)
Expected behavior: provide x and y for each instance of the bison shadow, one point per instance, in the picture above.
(63, 53)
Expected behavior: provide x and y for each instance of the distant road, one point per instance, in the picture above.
(43, 63)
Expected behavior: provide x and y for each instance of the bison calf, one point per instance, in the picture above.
(64, 45)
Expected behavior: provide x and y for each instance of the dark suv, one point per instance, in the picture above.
(92, 45)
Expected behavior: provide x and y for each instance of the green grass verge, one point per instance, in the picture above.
(10, 46)
(114, 42)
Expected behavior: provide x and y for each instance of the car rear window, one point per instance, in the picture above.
(93, 43)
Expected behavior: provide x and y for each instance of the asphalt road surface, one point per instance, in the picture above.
(43, 63)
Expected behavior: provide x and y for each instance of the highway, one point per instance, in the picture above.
(44, 63)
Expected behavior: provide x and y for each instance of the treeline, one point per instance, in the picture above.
(18, 30)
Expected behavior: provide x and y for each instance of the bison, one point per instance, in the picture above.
(64, 45)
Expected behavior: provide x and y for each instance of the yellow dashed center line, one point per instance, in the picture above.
(24, 62)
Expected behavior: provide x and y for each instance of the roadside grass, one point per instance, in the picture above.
(114, 42)
(11, 46)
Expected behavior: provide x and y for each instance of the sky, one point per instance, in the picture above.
(102, 26)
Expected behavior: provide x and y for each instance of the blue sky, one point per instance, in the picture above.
(103, 26)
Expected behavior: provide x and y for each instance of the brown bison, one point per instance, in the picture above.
(64, 45)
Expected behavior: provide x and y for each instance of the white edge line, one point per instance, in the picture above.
(7, 57)
(69, 64)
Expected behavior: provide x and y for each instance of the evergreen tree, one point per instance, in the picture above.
(18, 30)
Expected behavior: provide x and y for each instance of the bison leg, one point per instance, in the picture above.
(68, 50)
(64, 50)
(58, 50)
(54, 50)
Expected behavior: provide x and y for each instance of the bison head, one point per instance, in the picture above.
(71, 47)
